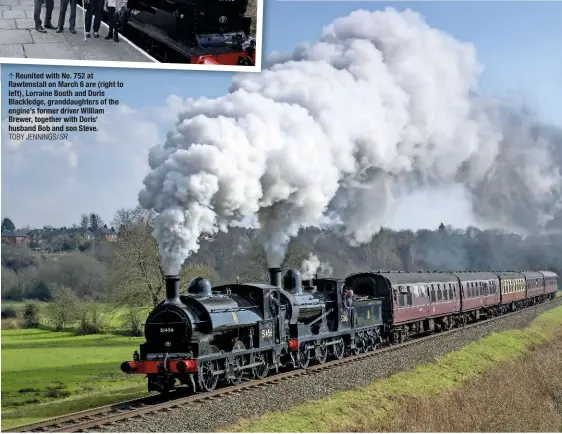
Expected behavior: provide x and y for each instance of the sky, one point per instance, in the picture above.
(53, 183)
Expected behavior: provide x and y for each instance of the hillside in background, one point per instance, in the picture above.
(128, 270)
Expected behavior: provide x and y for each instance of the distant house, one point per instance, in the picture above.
(108, 233)
(18, 238)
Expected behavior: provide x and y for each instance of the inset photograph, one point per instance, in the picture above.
(168, 34)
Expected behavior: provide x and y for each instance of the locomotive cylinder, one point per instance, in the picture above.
(275, 276)
(173, 289)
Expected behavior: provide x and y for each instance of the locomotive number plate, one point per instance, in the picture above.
(266, 333)
(167, 330)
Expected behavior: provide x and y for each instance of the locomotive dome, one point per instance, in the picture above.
(200, 286)
(292, 281)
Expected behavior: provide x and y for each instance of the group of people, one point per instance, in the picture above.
(116, 13)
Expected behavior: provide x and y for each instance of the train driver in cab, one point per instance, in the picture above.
(347, 297)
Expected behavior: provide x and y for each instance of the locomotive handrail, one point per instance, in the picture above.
(307, 304)
(324, 315)
(233, 309)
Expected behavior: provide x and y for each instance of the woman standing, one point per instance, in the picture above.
(115, 9)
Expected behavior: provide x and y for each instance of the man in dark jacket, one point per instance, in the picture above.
(62, 15)
(95, 8)
(49, 5)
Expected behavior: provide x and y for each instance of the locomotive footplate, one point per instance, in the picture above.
(185, 50)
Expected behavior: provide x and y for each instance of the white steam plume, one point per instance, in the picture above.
(333, 134)
(312, 265)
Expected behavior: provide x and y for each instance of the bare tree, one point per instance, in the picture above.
(136, 268)
(96, 223)
(64, 307)
(84, 222)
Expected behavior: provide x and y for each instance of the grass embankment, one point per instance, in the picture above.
(509, 381)
(46, 374)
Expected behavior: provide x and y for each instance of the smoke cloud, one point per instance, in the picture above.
(312, 265)
(336, 133)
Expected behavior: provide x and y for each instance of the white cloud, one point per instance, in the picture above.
(53, 182)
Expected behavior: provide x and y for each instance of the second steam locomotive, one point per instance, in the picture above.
(224, 333)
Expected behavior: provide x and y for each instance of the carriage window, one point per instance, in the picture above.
(433, 295)
(410, 298)
(401, 300)
(439, 295)
(451, 293)
(445, 294)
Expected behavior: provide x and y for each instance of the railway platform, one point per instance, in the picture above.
(19, 39)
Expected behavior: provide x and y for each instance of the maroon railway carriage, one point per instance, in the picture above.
(550, 284)
(480, 294)
(420, 301)
(513, 290)
(534, 282)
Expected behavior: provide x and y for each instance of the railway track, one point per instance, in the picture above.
(111, 414)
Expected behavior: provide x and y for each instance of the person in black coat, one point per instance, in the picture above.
(95, 8)
(49, 5)
(62, 15)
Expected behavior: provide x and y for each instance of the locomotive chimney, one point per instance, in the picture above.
(275, 277)
(172, 289)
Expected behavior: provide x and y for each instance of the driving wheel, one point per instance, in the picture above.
(207, 378)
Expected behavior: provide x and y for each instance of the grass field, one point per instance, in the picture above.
(45, 374)
(509, 381)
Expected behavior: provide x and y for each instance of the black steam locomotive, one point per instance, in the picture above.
(227, 332)
(202, 31)
(224, 333)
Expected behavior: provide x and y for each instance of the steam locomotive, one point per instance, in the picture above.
(224, 333)
(201, 31)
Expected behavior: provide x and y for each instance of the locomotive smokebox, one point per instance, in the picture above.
(172, 289)
(275, 276)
